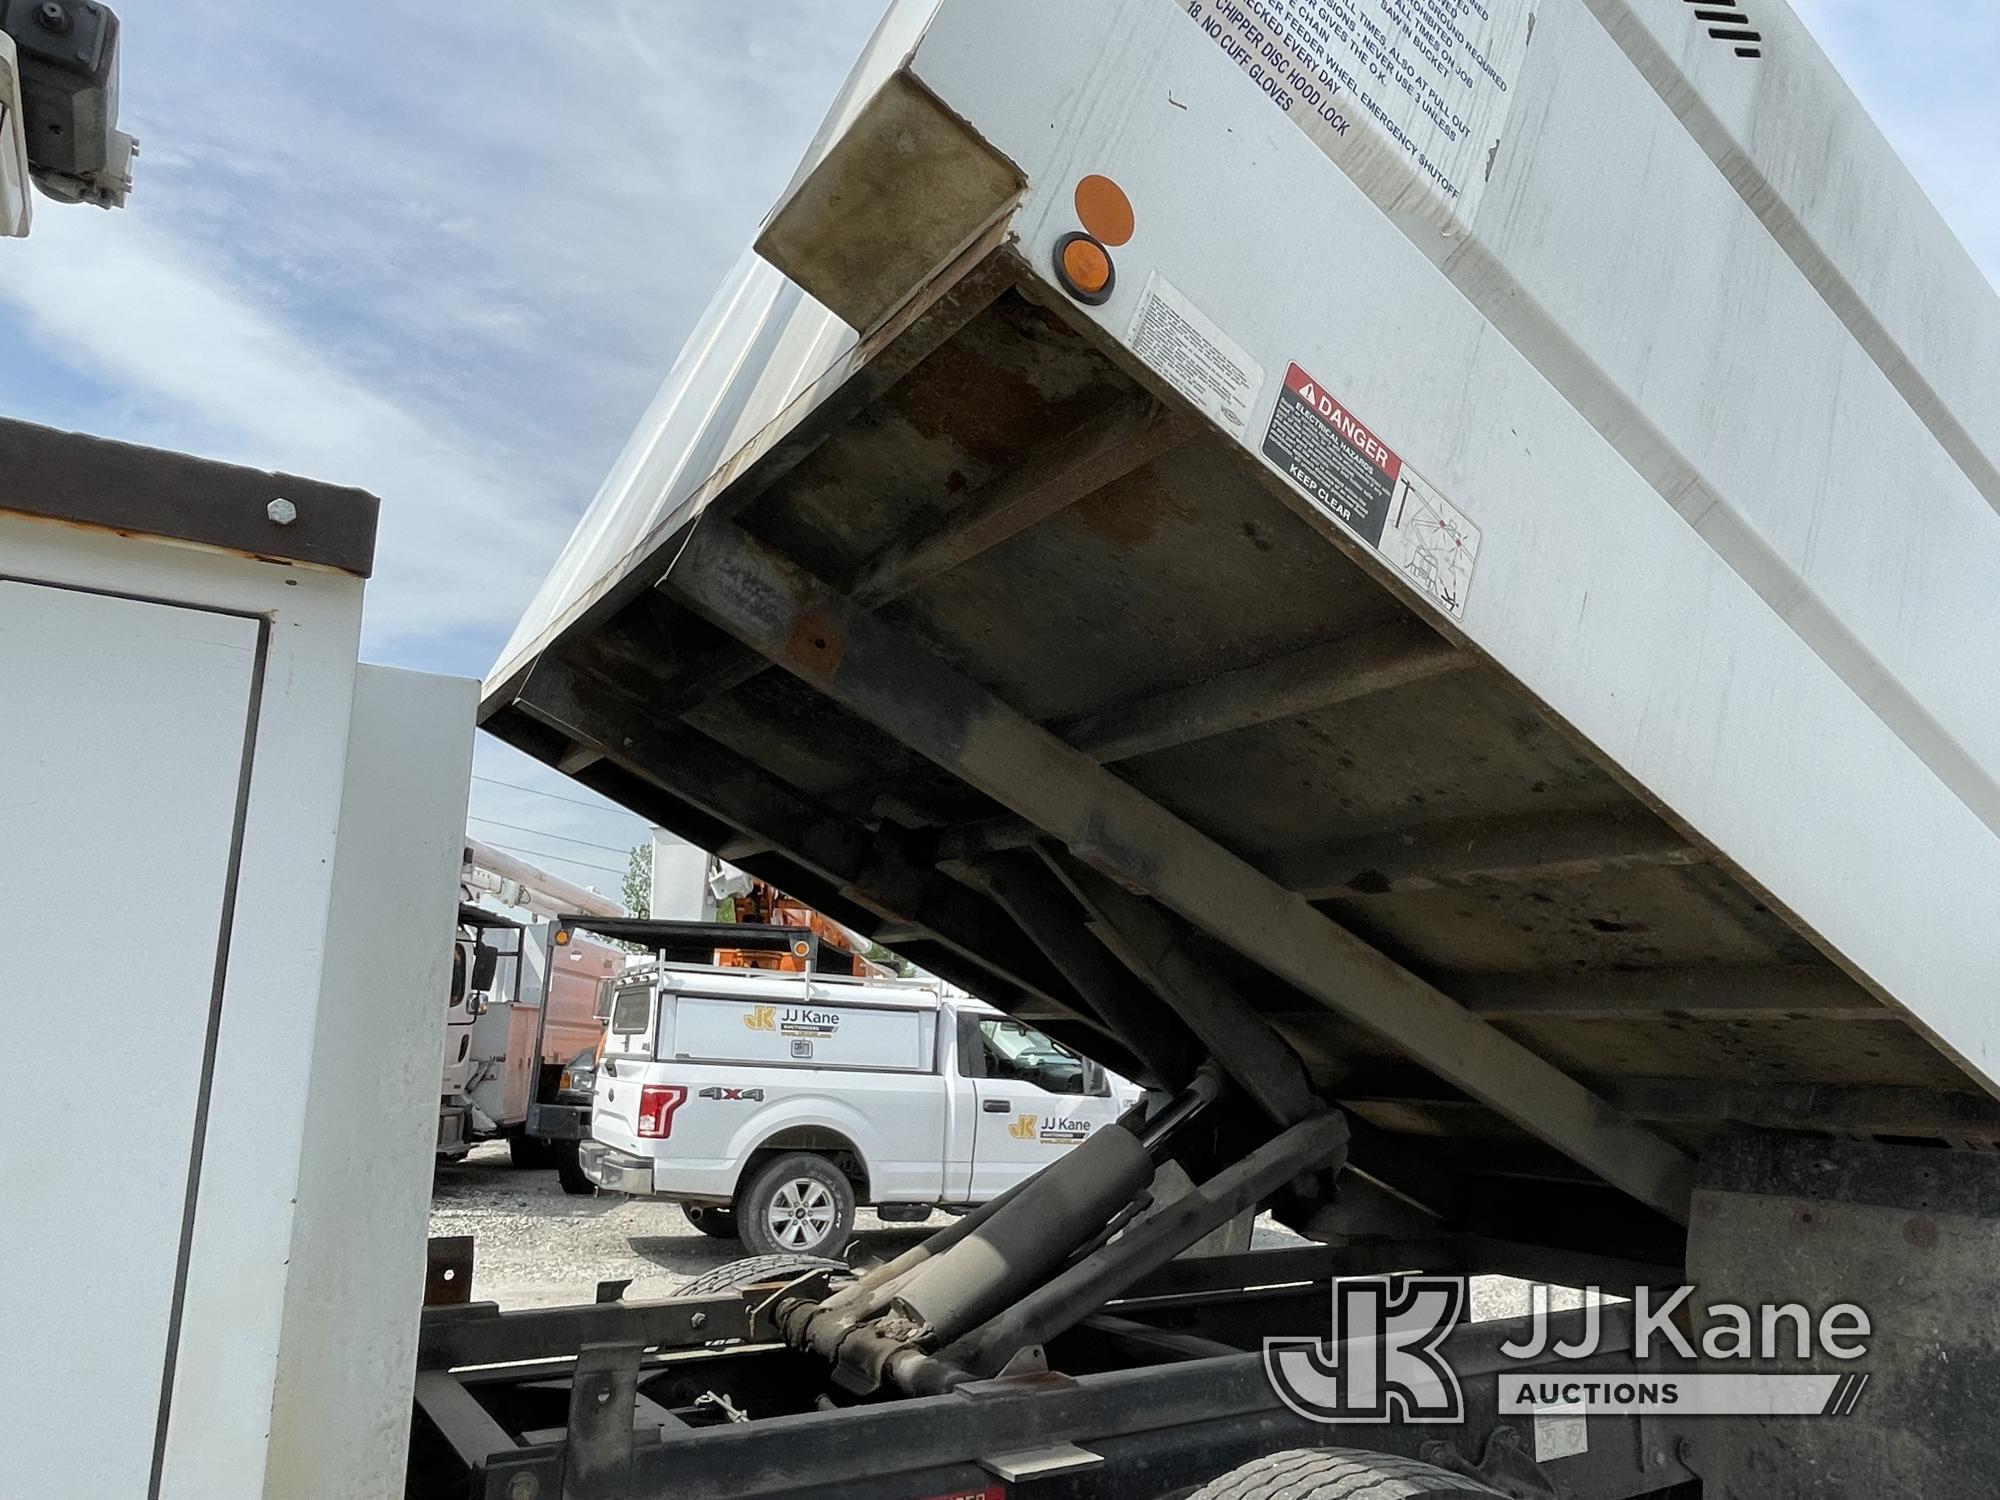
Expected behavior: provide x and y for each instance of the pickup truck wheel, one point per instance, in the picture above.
(717, 1223)
(799, 1204)
(1340, 1474)
(569, 1171)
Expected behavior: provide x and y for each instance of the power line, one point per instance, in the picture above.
(535, 791)
(543, 833)
(561, 858)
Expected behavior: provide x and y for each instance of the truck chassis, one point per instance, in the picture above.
(1167, 1391)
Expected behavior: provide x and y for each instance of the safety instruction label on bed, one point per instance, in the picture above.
(1201, 361)
(1356, 478)
(1408, 96)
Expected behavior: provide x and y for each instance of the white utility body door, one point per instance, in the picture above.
(123, 751)
(1034, 1100)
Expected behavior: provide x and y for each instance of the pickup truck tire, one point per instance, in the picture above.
(1340, 1474)
(569, 1171)
(753, 1269)
(796, 1204)
(716, 1223)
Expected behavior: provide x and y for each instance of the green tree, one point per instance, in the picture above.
(638, 892)
(880, 955)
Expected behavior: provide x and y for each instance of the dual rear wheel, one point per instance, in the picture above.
(1340, 1474)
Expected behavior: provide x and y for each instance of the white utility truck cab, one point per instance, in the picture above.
(770, 1105)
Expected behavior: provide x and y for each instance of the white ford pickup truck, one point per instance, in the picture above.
(770, 1104)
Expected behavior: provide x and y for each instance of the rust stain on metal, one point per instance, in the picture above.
(816, 643)
(1921, 1232)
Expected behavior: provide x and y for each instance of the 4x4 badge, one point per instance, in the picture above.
(753, 1096)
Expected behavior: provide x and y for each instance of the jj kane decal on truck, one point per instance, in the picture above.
(793, 1020)
(1050, 1130)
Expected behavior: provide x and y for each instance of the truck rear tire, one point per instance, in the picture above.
(527, 1152)
(799, 1204)
(569, 1171)
(716, 1223)
(1340, 1474)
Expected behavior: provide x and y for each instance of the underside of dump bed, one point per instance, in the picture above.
(1001, 642)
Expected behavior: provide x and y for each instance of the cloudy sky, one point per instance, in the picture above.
(447, 251)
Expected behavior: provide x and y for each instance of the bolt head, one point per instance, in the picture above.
(52, 17)
(699, 1320)
(282, 511)
(524, 1487)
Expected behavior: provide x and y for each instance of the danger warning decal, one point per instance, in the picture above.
(1340, 464)
(1335, 459)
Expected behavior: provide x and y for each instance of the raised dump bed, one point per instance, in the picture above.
(1478, 576)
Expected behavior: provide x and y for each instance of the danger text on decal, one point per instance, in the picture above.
(1332, 455)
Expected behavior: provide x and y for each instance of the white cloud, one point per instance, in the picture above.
(445, 253)
(206, 369)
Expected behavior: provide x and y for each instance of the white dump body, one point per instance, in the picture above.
(1613, 341)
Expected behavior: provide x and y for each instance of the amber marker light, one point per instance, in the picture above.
(1083, 266)
(1083, 260)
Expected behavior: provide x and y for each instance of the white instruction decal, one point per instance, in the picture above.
(1333, 456)
(1430, 539)
(1409, 96)
(1560, 1433)
(1201, 361)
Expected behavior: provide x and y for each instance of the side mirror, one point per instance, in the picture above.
(485, 963)
(1096, 1082)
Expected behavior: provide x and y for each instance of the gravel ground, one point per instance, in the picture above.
(536, 1246)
